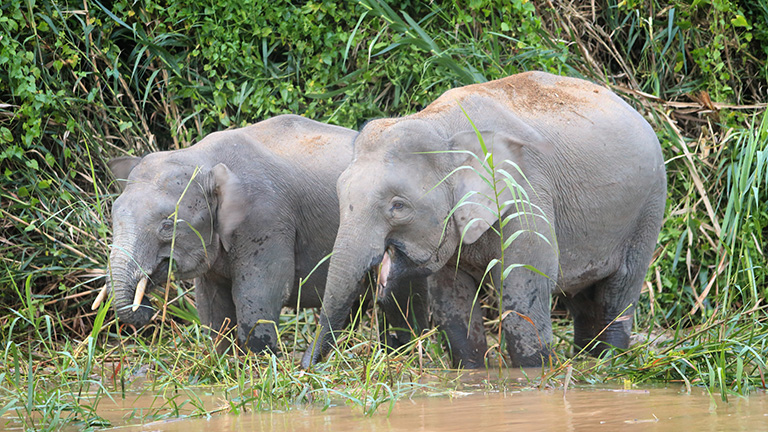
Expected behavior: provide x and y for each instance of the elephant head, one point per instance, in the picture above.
(172, 215)
(412, 194)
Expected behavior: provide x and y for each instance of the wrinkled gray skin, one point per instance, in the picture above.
(595, 177)
(265, 208)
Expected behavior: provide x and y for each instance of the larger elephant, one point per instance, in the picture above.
(581, 212)
(247, 213)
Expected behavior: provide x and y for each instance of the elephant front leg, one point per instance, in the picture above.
(458, 315)
(526, 319)
(258, 290)
(405, 311)
(526, 301)
(213, 298)
(530, 269)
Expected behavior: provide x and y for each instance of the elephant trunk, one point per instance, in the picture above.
(128, 282)
(351, 260)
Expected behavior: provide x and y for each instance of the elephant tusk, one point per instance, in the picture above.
(384, 269)
(100, 298)
(140, 288)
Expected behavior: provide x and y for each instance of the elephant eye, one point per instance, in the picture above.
(166, 227)
(397, 204)
(399, 210)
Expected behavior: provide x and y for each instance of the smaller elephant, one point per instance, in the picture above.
(247, 213)
(569, 175)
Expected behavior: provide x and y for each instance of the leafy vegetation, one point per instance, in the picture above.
(81, 82)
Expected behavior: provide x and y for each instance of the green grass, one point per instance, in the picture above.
(80, 83)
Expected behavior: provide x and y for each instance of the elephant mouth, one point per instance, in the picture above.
(146, 283)
(395, 267)
(157, 278)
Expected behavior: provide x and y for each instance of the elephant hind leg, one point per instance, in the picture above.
(596, 330)
(603, 313)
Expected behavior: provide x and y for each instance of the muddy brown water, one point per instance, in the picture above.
(474, 408)
(658, 409)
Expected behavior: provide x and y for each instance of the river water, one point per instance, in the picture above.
(468, 401)
(579, 409)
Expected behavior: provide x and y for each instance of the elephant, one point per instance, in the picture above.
(538, 184)
(247, 213)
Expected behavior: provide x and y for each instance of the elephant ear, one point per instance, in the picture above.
(231, 203)
(473, 191)
(121, 168)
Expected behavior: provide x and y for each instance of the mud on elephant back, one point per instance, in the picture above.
(582, 206)
(247, 213)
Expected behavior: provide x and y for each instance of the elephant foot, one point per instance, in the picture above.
(600, 341)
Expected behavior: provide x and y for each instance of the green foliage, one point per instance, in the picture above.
(272, 54)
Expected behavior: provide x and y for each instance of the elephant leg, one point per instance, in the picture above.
(405, 311)
(602, 313)
(592, 326)
(213, 298)
(458, 315)
(526, 318)
(259, 288)
(526, 300)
